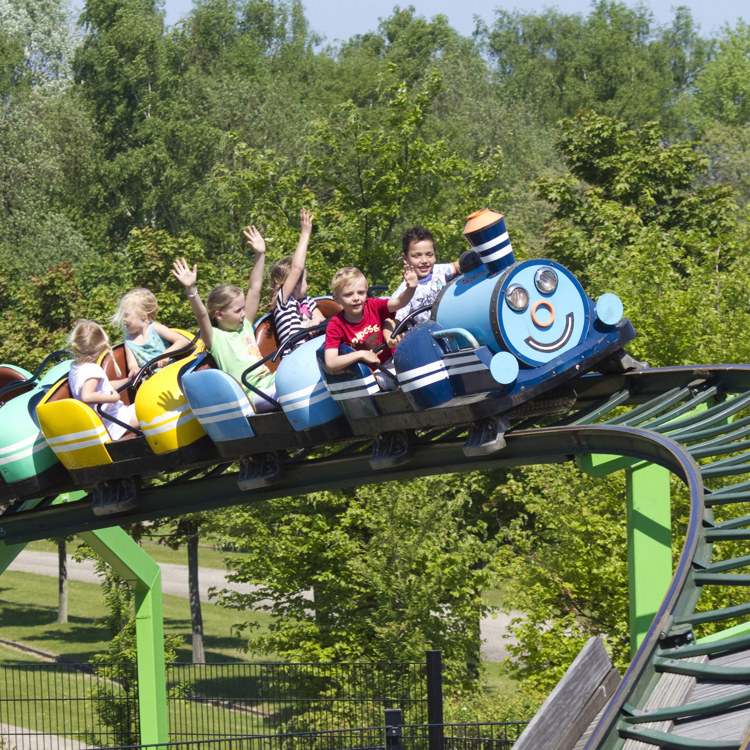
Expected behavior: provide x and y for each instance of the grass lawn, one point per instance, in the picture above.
(496, 682)
(28, 610)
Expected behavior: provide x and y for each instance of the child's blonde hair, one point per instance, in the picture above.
(219, 299)
(345, 276)
(279, 274)
(89, 341)
(141, 300)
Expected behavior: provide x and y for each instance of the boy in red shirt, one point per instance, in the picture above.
(360, 324)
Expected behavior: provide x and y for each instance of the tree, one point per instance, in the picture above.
(565, 565)
(722, 89)
(728, 148)
(186, 530)
(47, 36)
(394, 569)
(365, 178)
(628, 218)
(615, 60)
(62, 578)
(120, 70)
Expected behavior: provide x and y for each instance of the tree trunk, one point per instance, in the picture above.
(62, 582)
(196, 616)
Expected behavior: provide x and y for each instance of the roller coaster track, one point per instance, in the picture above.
(677, 692)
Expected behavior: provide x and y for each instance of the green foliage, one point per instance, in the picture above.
(630, 219)
(723, 86)
(482, 707)
(564, 563)
(615, 60)
(11, 58)
(45, 39)
(728, 149)
(393, 570)
(364, 180)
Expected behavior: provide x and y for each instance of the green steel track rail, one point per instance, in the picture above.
(694, 421)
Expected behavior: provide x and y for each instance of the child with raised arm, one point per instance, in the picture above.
(360, 324)
(226, 323)
(144, 337)
(89, 383)
(292, 309)
(418, 246)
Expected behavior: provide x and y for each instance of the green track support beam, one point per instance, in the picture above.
(649, 546)
(649, 535)
(8, 553)
(132, 564)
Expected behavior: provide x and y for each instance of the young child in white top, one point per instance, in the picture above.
(89, 383)
(419, 251)
(292, 309)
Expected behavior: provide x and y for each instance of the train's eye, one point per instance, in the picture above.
(517, 298)
(545, 280)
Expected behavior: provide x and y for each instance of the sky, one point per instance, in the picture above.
(340, 19)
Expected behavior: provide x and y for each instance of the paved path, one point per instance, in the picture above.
(175, 582)
(20, 739)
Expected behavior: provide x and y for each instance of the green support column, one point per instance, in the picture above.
(649, 546)
(649, 535)
(131, 563)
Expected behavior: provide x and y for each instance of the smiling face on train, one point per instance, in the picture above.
(542, 311)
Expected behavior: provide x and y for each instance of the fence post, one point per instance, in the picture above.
(393, 731)
(435, 699)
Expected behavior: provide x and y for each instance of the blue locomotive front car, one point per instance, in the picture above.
(504, 326)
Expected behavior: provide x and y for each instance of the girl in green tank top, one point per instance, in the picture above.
(226, 323)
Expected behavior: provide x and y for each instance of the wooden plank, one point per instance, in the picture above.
(745, 744)
(671, 690)
(729, 724)
(568, 699)
(581, 744)
(598, 700)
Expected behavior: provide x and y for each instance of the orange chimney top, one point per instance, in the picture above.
(481, 219)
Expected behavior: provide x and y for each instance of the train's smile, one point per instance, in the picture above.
(559, 343)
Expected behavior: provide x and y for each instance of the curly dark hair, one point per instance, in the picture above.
(415, 234)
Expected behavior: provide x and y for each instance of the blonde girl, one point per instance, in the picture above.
(226, 322)
(144, 337)
(292, 309)
(89, 383)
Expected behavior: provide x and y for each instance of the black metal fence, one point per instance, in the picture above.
(247, 699)
(41, 704)
(489, 736)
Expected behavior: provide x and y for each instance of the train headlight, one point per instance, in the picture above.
(517, 297)
(545, 280)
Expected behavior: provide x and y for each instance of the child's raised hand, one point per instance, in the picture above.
(255, 239)
(181, 271)
(410, 275)
(306, 220)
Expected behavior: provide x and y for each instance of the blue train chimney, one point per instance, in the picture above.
(485, 230)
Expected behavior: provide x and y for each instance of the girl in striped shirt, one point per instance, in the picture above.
(292, 309)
